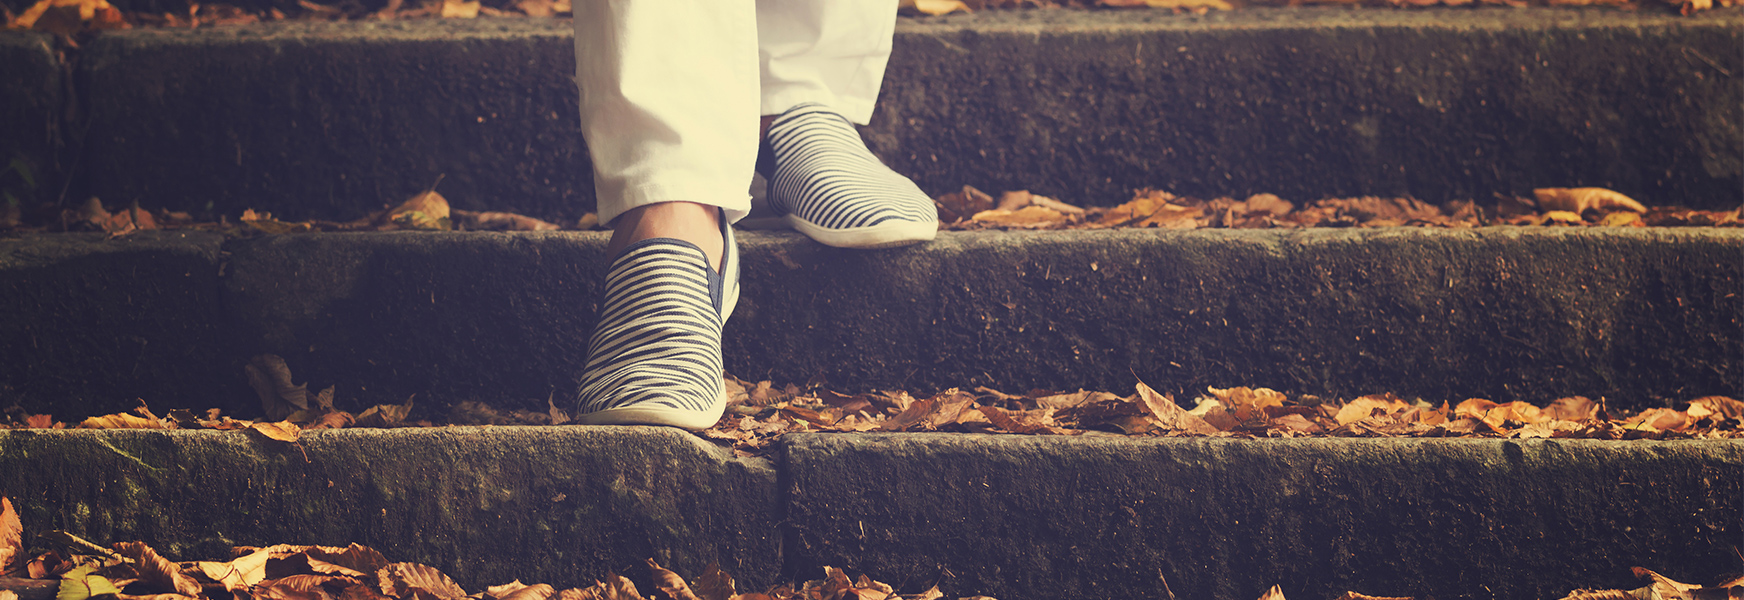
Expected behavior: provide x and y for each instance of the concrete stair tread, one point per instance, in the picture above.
(1013, 517)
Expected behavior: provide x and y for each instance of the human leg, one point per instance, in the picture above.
(668, 98)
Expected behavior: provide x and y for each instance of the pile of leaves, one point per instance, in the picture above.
(968, 209)
(760, 413)
(425, 211)
(78, 569)
(972, 209)
(134, 571)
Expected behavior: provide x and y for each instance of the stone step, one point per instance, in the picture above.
(333, 120)
(1639, 316)
(1014, 517)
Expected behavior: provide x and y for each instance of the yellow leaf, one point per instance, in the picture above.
(457, 9)
(82, 584)
(238, 574)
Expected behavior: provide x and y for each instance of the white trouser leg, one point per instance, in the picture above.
(831, 52)
(668, 101)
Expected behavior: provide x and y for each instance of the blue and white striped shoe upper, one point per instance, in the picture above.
(655, 356)
(830, 187)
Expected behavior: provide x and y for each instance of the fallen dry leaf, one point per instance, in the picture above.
(155, 571)
(271, 380)
(240, 573)
(11, 536)
(409, 580)
(284, 431)
(1579, 200)
(456, 9)
(121, 421)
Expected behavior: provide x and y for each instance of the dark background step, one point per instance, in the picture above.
(336, 119)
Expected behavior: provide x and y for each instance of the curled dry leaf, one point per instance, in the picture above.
(537, 591)
(428, 210)
(271, 380)
(1028, 217)
(11, 536)
(1276, 593)
(1579, 200)
(356, 558)
(963, 203)
(1724, 407)
(157, 572)
(406, 580)
(386, 415)
(669, 583)
(284, 431)
(238, 574)
(121, 421)
(715, 584)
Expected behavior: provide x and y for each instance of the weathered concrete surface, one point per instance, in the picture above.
(1504, 313)
(1310, 103)
(31, 92)
(91, 324)
(483, 504)
(1639, 316)
(1035, 517)
(497, 317)
(335, 119)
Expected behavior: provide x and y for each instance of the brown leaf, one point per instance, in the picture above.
(1573, 408)
(121, 421)
(1276, 593)
(428, 210)
(537, 591)
(1248, 404)
(502, 221)
(961, 204)
(357, 558)
(386, 415)
(1579, 200)
(670, 583)
(284, 431)
(157, 572)
(271, 380)
(407, 579)
(1029, 217)
(1726, 408)
(715, 584)
(915, 413)
(1170, 415)
(1661, 419)
(11, 536)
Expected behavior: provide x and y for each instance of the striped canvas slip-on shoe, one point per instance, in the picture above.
(655, 356)
(827, 185)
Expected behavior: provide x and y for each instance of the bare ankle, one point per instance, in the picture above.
(699, 224)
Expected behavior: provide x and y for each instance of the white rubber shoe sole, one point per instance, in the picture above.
(890, 234)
